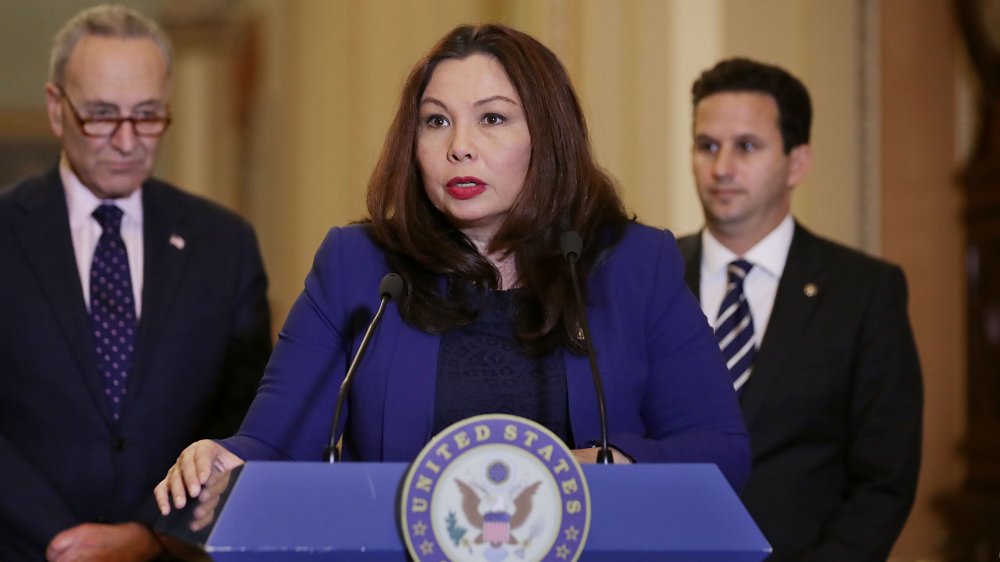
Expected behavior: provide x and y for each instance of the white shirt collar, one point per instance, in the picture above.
(769, 254)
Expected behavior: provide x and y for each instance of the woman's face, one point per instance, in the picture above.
(473, 144)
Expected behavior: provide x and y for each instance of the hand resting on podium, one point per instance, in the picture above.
(196, 464)
(190, 474)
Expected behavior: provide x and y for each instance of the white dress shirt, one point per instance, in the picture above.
(760, 286)
(86, 231)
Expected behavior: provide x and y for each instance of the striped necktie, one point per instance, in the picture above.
(734, 326)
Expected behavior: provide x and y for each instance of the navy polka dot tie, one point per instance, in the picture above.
(112, 308)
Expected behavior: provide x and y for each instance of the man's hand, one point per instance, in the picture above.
(125, 542)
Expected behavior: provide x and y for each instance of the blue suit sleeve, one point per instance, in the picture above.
(290, 416)
(688, 408)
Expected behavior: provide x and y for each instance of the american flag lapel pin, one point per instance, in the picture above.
(177, 241)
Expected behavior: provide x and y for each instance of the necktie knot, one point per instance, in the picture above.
(738, 270)
(109, 217)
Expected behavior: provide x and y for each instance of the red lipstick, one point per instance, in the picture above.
(465, 187)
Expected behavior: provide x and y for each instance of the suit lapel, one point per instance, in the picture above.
(792, 309)
(690, 247)
(43, 233)
(167, 238)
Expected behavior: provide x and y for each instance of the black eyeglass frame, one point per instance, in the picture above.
(137, 122)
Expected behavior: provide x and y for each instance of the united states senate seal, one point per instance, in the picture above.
(495, 488)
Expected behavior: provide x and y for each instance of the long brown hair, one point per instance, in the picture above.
(563, 189)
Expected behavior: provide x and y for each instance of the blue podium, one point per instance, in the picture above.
(280, 512)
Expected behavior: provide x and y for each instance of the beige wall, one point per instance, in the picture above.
(884, 134)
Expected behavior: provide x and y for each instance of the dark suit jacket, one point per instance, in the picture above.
(666, 386)
(833, 406)
(204, 338)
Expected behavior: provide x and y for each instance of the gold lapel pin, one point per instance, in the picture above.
(810, 290)
(177, 242)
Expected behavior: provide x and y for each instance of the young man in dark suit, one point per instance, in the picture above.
(134, 315)
(816, 335)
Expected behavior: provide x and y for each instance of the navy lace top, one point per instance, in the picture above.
(482, 370)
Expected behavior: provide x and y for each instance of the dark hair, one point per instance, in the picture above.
(563, 189)
(745, 75)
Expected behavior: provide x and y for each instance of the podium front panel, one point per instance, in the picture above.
(280, 511)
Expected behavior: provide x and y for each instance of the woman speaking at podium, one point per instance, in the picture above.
(485, 168)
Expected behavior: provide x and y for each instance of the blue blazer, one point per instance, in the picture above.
(668, 394)
(204, 338)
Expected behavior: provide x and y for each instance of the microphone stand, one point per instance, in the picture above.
(572, 247)
(390, 288)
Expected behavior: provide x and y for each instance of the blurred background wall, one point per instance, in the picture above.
(280, 107)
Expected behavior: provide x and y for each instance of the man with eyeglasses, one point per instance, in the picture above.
(134, 316)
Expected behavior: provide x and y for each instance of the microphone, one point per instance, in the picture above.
(572, 247)
(390, 288)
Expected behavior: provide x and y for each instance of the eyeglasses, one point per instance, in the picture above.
(151, 126)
